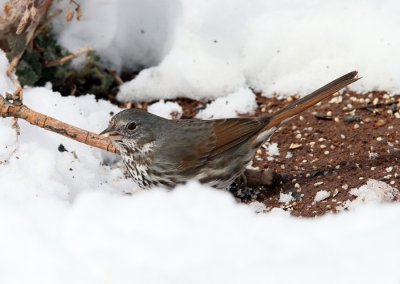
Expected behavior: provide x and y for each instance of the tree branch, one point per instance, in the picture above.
(8, 109)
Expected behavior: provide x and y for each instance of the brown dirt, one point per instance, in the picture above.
(327, 153)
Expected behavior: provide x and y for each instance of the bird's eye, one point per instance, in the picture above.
(131, 126)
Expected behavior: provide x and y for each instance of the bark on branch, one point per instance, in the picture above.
(8, 109)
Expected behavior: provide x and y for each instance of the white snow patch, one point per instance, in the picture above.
(242, 101)
(6, 84)
(321, 195)
(374, 191)
(286, 197)
(258, 207)
(169, 110)
(289, 155)
(272, 150)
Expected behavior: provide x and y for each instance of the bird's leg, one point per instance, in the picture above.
(265, 177)
(241, 180)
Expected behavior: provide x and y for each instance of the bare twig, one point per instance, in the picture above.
(67, 58)
(8, 109)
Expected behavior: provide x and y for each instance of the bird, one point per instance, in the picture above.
(165, 153)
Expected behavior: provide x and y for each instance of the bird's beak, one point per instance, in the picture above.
(111, 134)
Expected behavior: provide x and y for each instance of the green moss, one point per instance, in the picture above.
(92, 77)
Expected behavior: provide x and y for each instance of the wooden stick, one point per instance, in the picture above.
(8, 109)
(69, 57)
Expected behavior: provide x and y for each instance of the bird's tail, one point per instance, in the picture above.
(308, 101)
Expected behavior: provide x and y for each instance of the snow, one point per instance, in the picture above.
(374, 191)
(126, 33)
(191, 49)
(272, 149)
(167, 110)
(66, 217)
(321, 195)
(6, 84)
(286, 197)
(241, 101)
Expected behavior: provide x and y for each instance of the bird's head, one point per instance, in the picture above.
(133, 127)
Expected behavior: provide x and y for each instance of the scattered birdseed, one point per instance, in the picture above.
(326, 152)
(295, 146)
(392, 182)
(318, 183)
(345, 186)
(380, 122)
(336, 100)
(356, 126)
(342, 136)
(321, 195)
(335, 193)
(389, 169)
(322, 146)
(322, 117)
(379, 138)
(372, 155)
(298, 136)
(296, 185)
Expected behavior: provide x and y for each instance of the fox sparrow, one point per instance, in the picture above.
(162, 152)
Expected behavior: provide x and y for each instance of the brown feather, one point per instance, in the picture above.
(232, 132)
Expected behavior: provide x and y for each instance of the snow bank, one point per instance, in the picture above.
(191, 235)
(126, 33)
(209, 49)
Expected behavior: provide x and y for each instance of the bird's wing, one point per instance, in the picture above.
(206, 140)
(233, 132)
